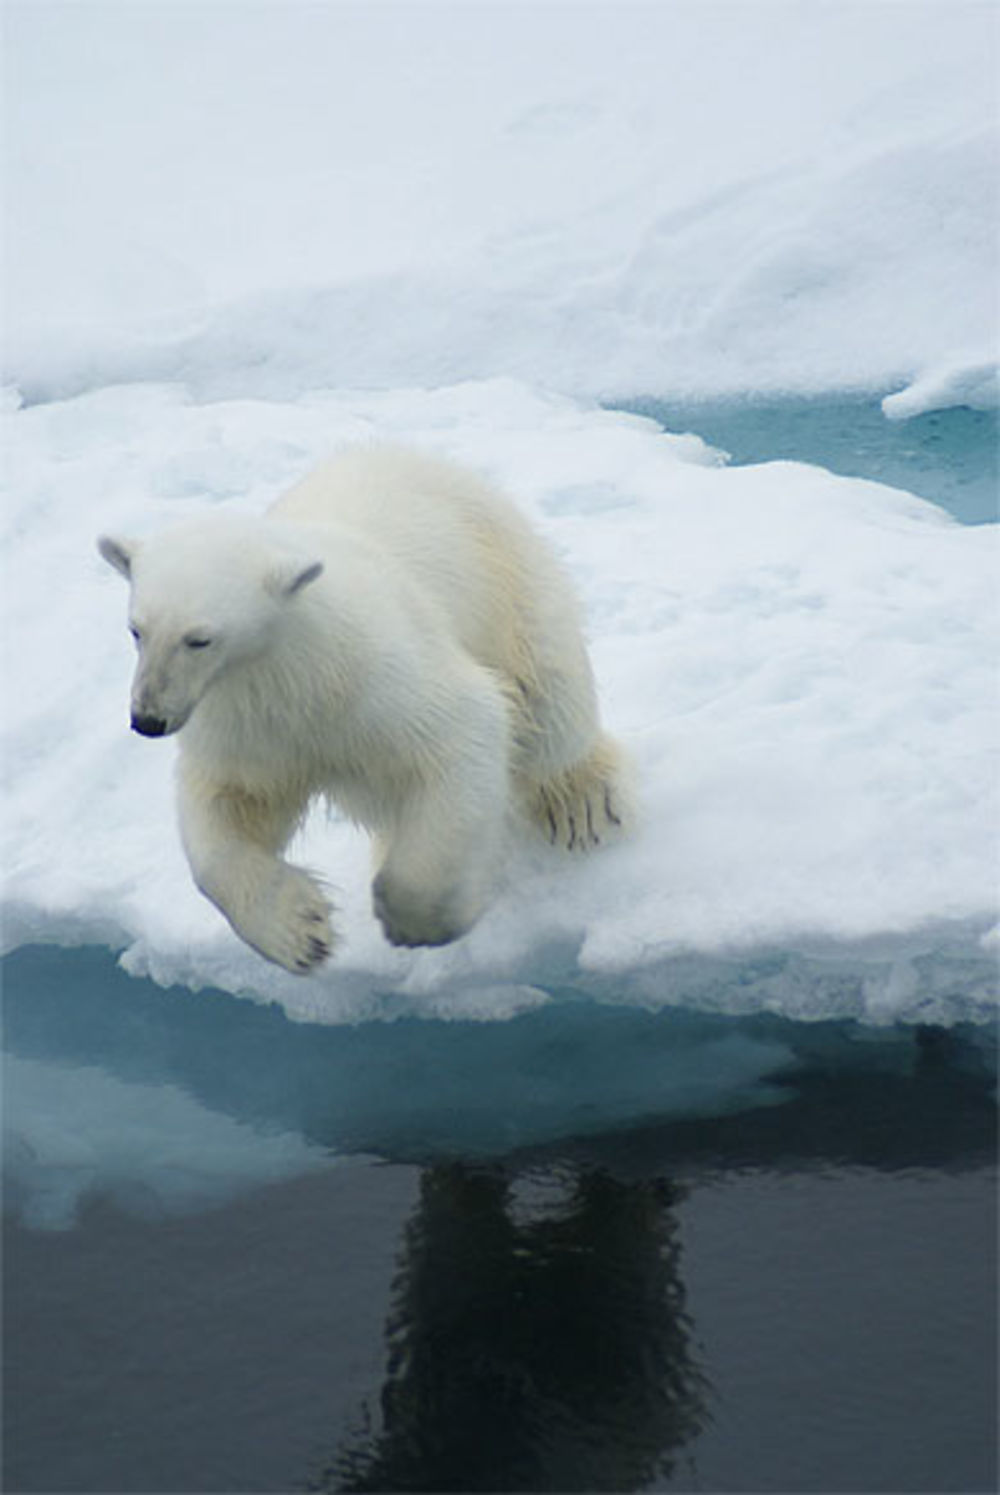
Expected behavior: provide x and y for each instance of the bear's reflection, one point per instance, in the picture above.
(534, 1343)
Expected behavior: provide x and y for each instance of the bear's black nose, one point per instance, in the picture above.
(149, 726)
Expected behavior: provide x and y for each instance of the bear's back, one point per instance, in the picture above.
(462, 543)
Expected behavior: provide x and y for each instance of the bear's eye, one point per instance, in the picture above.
(134, 631)
(197, 641)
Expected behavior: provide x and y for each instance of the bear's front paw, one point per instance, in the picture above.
(293, 928)
(411, 921)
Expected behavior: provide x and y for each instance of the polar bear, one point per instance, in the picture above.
(391, 635)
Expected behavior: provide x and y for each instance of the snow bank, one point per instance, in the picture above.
(960, 381)
(611, 199)
(801, 665)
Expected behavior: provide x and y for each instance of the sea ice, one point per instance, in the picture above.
(801, 665)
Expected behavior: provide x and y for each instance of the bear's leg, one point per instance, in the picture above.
(434, 877)
(437, 852)
(571, 779)
(233, 843)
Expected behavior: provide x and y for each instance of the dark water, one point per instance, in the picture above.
(792, 1290)
(951, 457)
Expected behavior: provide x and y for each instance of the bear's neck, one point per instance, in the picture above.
(279, 704)
(309, 712)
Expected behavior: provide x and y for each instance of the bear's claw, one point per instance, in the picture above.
(294, 929)
(586, 805)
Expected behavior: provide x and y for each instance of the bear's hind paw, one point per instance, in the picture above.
(583, 807)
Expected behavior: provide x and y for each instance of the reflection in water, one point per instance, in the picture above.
(532, 1348)
(538, 1337)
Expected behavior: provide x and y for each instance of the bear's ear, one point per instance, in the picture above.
(285, 581)
(117, 553)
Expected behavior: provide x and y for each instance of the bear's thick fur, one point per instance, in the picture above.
(392, 635)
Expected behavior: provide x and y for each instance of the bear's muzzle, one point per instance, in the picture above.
(148, 726)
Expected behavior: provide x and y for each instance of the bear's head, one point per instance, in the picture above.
(204, 597)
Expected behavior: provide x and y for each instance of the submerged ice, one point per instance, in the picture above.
(164, 1101)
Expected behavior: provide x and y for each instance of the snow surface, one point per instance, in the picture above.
(242, 235)
(609, 198)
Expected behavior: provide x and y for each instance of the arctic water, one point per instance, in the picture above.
(586, 1247)
(951, 456)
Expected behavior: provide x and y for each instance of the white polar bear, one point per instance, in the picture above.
(394, 636)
